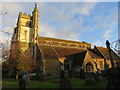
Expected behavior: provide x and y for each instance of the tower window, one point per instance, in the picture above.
(101, 64)
(25, 33)
(28, 24)
(89, 67)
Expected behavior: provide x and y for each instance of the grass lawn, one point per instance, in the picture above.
(80, 83)
(52, 83)
(9, 83)
(13, 83)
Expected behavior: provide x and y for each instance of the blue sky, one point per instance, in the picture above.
(92, 22)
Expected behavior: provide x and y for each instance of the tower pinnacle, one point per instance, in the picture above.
(36, 8)
(35, 18)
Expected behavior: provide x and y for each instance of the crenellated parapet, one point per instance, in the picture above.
(24, 20)
(24, 15)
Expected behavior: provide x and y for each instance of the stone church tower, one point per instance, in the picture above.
(26, 32)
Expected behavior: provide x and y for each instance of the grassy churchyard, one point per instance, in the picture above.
(51, 83)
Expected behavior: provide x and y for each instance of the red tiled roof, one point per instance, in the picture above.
(53, 51)
(104, 51)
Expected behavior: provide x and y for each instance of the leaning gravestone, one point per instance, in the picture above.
(89, 78)
(64, 83)
(22, 84)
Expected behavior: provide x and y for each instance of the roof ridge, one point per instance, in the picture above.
(94, 54)
(63, 39)
(102, 53)
(62, 46)
(101, 47)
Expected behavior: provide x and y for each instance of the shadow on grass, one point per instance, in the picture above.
(52, 83)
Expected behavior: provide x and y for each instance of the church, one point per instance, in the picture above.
(53, 55)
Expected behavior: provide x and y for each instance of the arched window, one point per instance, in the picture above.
(25, 31)
(101, 64)
(89, 67)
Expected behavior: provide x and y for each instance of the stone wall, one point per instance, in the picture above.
(52, 67)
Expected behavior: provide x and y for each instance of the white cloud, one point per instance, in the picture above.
(50, 31)
(64, 12)
(56, 13)
(4, 40)
(75, 24)
(97, 43)
(46, 30)
(5, 36)
(8, 30)
(9, 20)
(85, 8)
(101, 20)
(107, 34)
(11, 8)
(66, 34)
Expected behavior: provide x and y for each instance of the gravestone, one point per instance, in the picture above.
(22, 84)
(25, 78)
(64, 83)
